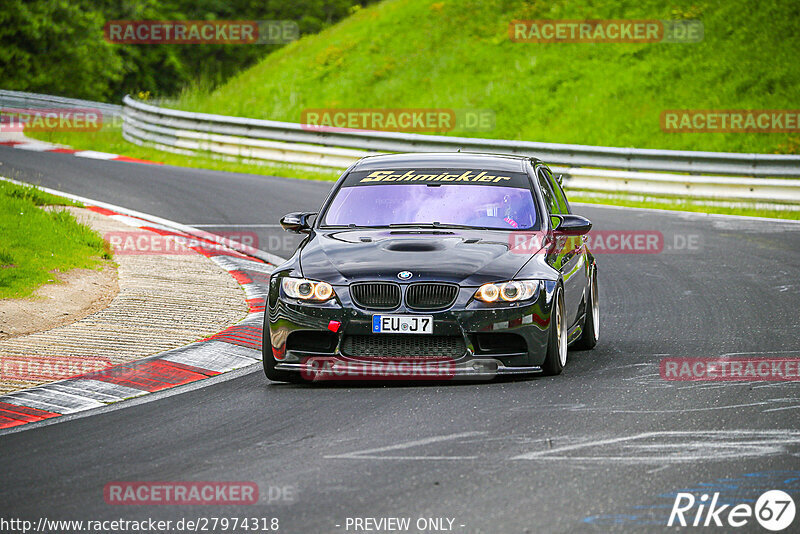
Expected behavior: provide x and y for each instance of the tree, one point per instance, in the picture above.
(56, 47)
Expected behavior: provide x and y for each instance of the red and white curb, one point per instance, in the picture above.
(235, 347)
(42, 146)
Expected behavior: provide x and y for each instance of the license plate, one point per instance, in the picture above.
(402, 324)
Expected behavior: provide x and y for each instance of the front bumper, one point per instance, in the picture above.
(470, 320)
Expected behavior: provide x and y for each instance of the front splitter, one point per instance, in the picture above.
(391, 369)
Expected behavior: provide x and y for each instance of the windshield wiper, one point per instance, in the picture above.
(414, 225)
(467, 227)
(351, 226)
(436, 224)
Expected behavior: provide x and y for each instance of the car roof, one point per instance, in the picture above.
(444, 160)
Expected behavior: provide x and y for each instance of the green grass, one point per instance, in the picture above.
(37, 243)
(34, 195)
(457, 54)
(679, 204)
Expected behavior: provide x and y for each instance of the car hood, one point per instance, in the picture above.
(469, 257)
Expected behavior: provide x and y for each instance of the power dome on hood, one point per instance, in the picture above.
(467, 257)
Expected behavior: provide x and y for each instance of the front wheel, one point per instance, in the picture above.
(591, 324)
(556, 357)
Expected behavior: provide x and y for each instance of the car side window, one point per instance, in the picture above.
(561, 198)
(547, 193)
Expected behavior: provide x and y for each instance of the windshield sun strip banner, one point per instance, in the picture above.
(437, 176)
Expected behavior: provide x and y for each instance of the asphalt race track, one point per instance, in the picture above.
(604, 446)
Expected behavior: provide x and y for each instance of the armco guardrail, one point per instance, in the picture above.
(249, 137)
(187, 132)
(585, 167)
(19, 99)
(778, 192)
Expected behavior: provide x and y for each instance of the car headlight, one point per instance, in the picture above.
(303, 289)
(512, 291)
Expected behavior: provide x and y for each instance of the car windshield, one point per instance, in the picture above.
(479, 206)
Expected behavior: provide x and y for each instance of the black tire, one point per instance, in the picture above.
(591, 322)
(269, 362)
(556, 357)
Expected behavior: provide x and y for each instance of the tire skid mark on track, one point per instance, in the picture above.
(643, 448)
(235, 347)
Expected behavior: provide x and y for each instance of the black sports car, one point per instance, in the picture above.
(433, 266)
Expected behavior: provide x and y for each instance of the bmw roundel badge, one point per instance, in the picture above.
(404, 275)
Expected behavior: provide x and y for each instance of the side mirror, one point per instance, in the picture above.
(297, 222)
(570, 224)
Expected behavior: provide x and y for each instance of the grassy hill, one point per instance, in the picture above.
(457, 54)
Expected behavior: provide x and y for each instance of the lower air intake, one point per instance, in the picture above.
(403, 346)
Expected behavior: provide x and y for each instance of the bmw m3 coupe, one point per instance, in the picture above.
(475, 262)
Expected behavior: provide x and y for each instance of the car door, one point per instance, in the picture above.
(568, 256)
